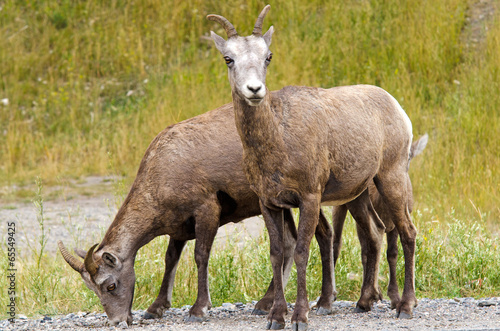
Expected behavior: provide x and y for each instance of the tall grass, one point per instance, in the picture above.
(90, 79)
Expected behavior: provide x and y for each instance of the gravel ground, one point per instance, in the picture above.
(439, 314)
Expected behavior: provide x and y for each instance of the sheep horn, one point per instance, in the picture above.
(90, 264)
(257, 30)
(230, 30)
(76, 264)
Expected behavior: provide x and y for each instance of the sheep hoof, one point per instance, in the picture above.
(195, 319)
(299, 326)
(148, 316)
(324, 311)
(275, 326)
(359, 310)
(259, 312)
(403, 315)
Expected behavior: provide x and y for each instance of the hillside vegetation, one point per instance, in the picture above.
(91, 83)
(86, 85)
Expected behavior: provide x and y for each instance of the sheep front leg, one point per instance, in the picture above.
(207, 223)
(290, 238)
(274, 224)
(309, 214)
(164, 299)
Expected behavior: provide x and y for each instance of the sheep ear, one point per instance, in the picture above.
(220, 42)
(80, 252)
(268, 36)
(111, 260)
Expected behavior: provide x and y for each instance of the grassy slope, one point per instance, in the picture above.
(67, 68)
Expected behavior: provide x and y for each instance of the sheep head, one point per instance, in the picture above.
(110, 277)
(247, 58)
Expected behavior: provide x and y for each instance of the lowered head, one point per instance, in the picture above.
(110, 277)
(247, 58)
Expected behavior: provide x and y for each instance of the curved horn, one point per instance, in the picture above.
(257, 30)
(89, 262)
(230, 30)
(76, 264)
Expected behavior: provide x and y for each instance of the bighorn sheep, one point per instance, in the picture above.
(189, 183)
(304, 146)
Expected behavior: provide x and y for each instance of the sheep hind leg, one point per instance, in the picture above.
(370, 231)
(324, 236)
(396, 192)
(392, 259)
(339, 214)
(164, 299)
(290, 238)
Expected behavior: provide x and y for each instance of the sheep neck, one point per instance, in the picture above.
(261, 136)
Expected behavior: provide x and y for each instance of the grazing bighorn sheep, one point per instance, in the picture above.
(304, 146)
(339, 214)
(189, 183)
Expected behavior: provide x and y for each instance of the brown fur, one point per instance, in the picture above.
(303, 146)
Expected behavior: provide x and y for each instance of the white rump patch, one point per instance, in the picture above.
(406, 120)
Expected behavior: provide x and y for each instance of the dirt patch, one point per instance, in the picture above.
(479, 16)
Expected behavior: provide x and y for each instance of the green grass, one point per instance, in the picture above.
(90, 84)
(454, 259)
(90, 81)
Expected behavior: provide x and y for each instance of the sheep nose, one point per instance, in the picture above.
(254, 89)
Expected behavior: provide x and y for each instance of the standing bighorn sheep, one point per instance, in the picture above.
(189, 183)
(304, 146)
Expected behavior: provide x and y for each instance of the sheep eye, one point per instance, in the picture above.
(269, 57)
(111, 287)
(228, 60)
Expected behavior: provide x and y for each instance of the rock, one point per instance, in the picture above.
(122, 325)
(228, 306)
(487, 303)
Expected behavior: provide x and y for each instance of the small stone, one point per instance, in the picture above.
(22, 317)
(228, 305)
(487, 303)
(239, 305)
(122, 325)
(4, 324)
